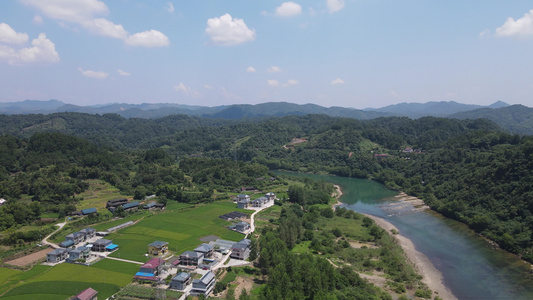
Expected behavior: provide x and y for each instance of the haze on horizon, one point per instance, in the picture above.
(349, 53)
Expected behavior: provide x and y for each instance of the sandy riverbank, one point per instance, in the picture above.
(431, 276)
(337, 194)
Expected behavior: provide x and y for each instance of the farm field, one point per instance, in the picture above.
(65, 280)
(97, 195)
(181, 228)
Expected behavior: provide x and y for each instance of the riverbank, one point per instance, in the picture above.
(431, 276)
(337, 195)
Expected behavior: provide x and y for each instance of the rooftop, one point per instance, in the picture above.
(158, 244)
(152, 263)
(86, 294)
(183, 276)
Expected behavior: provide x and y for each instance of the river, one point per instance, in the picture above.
(471, 268)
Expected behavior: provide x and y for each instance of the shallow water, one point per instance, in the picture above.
(471, 268)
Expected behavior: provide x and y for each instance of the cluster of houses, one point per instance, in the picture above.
(243, 200)
(68, 253)
(202, 257)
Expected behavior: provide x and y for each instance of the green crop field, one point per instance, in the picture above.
(181, 228)
(97, 195)
(65, 280)
(117, 266)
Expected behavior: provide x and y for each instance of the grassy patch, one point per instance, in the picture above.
(117, 266)
(97, 195)
(302, 247)
(181, 228)
(65, 280)
(144, 292)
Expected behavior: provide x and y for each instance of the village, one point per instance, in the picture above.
(191, 272)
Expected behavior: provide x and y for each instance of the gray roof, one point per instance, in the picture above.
(158, 244)
(191, 254)
(245, 241)
(183, 276)
(204, 248)
(58, 251)
(102, 242)
(66, 243)
(88, 229)
(239, 246)
(205, 279)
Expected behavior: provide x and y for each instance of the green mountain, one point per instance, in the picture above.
(514, 118)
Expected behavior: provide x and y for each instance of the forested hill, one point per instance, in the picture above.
(467, 169)
(514, 118)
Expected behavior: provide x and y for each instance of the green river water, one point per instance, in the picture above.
(471, 268)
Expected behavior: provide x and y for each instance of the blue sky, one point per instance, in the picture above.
(350, 53)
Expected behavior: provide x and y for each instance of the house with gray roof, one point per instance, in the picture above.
(79, 253)
(204, 286)
(57, 255)
(242, 226)
(103, 245)
(241, 250)
(66, 243)
(88, 232)
(191, 258)
(243, 201)
(180, 281)
(76, 237)
(206, 249)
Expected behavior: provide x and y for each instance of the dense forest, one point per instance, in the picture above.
(468, 170)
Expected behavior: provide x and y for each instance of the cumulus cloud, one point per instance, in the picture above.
(38, 20)
(84, 13)
(169, 7)
(522, 27)
(288, 9)
(181, 88)
(337, 81)
(123, 73)
(93, 74)
(291, 82)
(43, 50)
(10, 36)
(334, 5)
(228, 31)
(274, 69)
(250, 70)
(272, 82)
(149, 39)
(208, 87)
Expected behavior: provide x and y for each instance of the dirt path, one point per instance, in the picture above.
(45, 240)
(337, 195)
(431, 276)
(243, 283)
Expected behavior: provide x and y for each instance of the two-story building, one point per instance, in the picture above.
(180, 281)
(157, 248)
(204, 286)
(241, 250)
(206, 249)
(58, 255)
(191, 258)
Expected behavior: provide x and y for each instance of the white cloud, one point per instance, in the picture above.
(38, 20)
(181, 88)
(123, 73)
(93, 74)
(10, 36)
(337, 81)
(85, 12)
(484, 34)
(107, 28)
(228, 31)
(291, 82)
(334, 5)
(229, 95)
(149, 39)
(288, 9)
(250, 70)
(169, 7)
(522, 27)
(274, 69)
(208, 87)
(272, 82)
(43, 50)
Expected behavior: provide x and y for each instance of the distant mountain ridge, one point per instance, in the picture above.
(515, 118)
